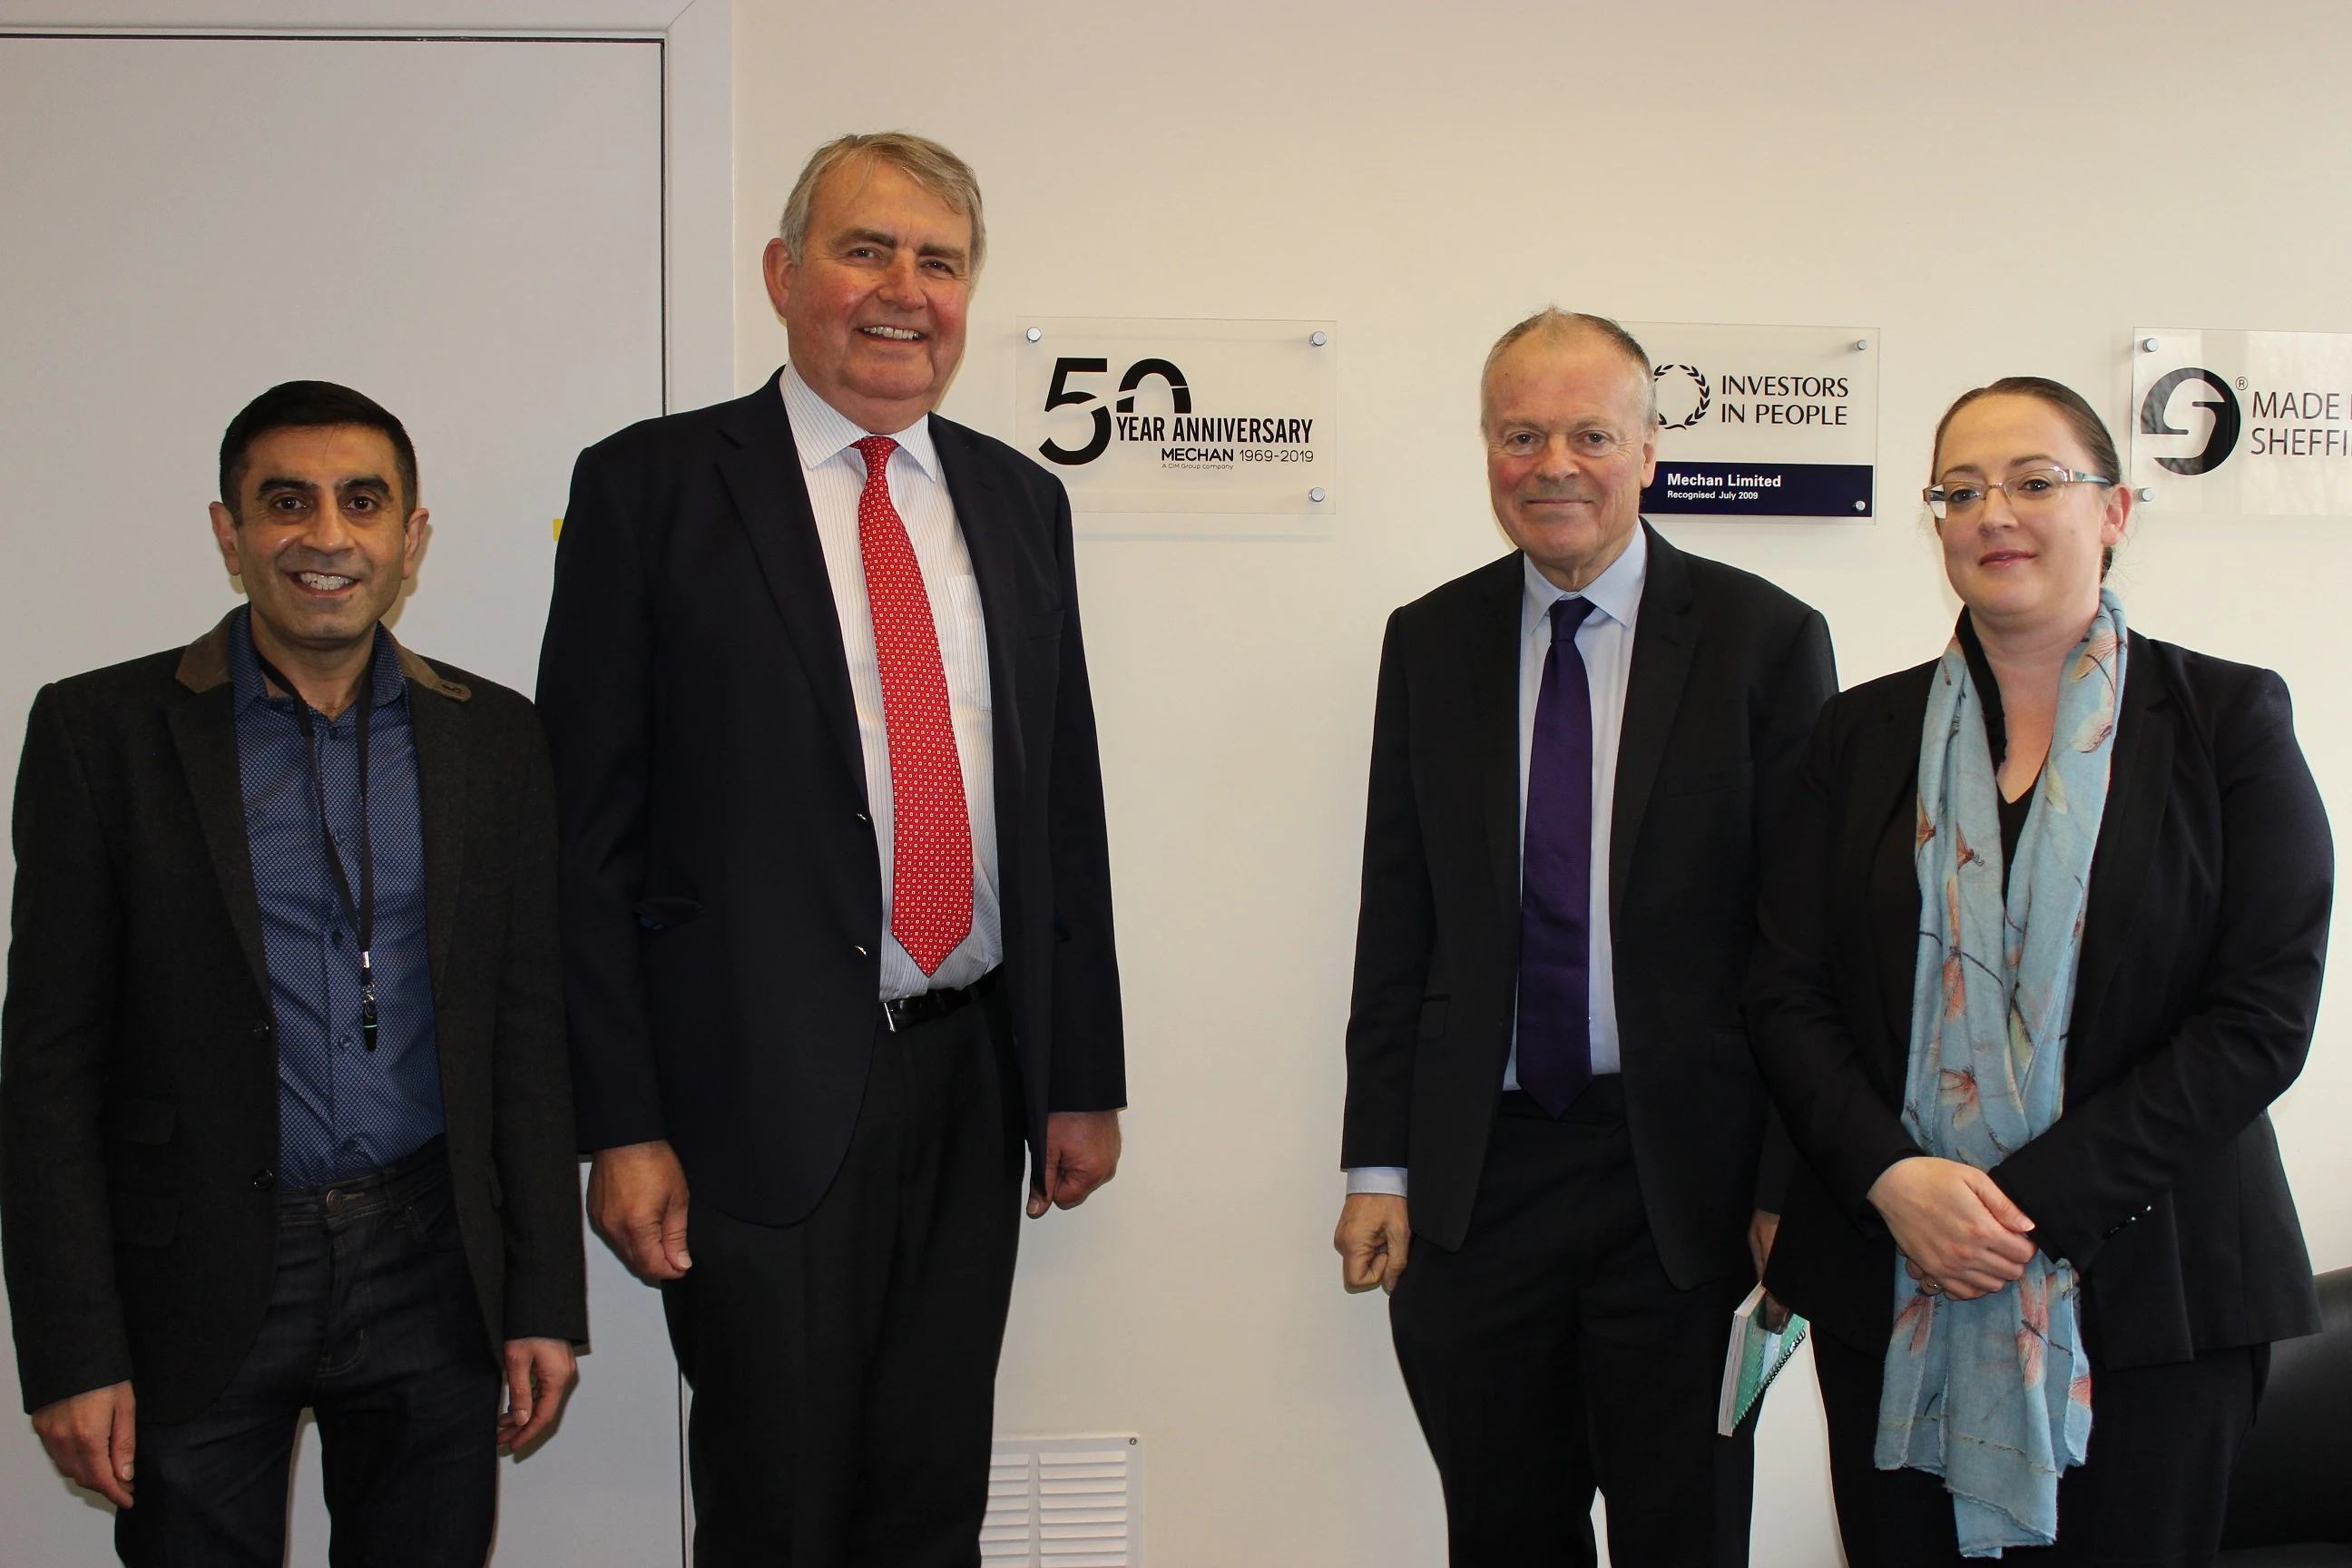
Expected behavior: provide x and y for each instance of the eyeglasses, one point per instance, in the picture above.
(2034, 491)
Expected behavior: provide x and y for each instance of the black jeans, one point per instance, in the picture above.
(845, 1367)
(374, 1324)
(1551, 1355)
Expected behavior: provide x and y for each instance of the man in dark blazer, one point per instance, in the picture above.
(837, 900)
(285, 1115)
(1551, 1108)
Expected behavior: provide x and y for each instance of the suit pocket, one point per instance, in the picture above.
(140, 1119)
(146, 1219)
(660, 914)
(1707, 783)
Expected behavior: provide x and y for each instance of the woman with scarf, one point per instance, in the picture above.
(2043, 935)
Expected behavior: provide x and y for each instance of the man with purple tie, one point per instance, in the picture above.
(1553, 1114)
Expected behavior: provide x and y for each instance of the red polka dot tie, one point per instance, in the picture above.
(930, 834)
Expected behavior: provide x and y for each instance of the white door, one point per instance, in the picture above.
(470, 233)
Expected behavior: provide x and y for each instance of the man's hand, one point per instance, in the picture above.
(539, 1373)
(1953, 1225)
(1081, 1154)
(636, 1201)
(1374, 1236)
(90, 1439)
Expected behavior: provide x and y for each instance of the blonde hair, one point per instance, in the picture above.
(1560, 326)
(920, 158)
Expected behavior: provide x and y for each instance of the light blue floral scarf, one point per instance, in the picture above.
(1994, 1394)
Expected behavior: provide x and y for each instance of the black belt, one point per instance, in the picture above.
(924, 1006)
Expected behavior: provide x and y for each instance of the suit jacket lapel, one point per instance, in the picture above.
(1664, 640)
(1491, 650)
(1884, 772)
(204, 728)
(762, 472)
(2139, 786)
(436, 726)
(988, 539)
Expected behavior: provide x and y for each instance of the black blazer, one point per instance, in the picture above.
(722, 886)
(2202, 946)
(1728, 673)
(138, 1070)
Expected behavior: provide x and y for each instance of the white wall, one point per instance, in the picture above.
(2001, 187)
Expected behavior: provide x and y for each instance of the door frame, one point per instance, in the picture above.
(697, 39)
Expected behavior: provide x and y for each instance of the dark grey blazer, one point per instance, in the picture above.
(138, 1075)
(2203, 943)
(1728, 673)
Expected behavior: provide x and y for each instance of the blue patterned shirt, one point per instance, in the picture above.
(341, 1109)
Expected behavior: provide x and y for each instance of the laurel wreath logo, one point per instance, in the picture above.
(1705, 395)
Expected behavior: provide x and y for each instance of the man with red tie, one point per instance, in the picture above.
(836, 900)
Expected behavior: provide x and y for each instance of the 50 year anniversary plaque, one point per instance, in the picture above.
(1773, 423)
(1176, 415)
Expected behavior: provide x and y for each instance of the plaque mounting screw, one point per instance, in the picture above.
(1034, 334)
(1861, 345)
(1315, 494)
(2148, 345)
(1862, 506)
(2144, 494)
(1318, 339)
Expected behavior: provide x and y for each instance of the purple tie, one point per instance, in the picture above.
(1556, 877)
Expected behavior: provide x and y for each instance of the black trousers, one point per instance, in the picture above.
(1551, 1355)
(845, 1368)
(2151, 1492)
(373, 1325)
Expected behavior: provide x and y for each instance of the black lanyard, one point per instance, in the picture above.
(362, 917)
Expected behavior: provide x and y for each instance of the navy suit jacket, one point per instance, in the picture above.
(721, 882)
(1727, 674)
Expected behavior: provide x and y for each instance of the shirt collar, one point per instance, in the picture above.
(822, 432)
(386, 683)
(1616, 592)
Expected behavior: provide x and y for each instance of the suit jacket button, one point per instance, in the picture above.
(261, 1031)
(857, 950)
(263, 1179)
(859, 815)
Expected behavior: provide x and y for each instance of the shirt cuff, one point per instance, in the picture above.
(1386, 1181)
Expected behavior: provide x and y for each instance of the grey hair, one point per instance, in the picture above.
(920, 158)
(1559, 326)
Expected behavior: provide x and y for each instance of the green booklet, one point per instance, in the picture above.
(1755, 1357)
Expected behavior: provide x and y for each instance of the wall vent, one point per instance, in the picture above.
(1064, 1501)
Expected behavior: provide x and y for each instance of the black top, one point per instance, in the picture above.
(2204, 940)
(2014, 813)
(1727, 674)
(139, 1077)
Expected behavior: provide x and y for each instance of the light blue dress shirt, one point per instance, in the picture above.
(1606, 642)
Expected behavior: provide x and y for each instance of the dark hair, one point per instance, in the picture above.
(310, 406)
(2080, 418)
